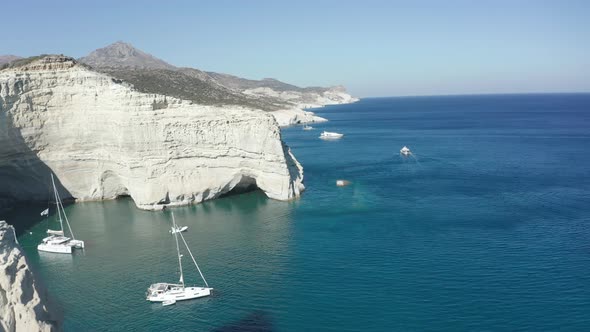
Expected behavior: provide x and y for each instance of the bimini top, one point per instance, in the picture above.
(162, 286)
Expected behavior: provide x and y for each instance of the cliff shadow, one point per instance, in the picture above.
(25, 180)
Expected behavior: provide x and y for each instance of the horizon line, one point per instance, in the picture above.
(480, 94)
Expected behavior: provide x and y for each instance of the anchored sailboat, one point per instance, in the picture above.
(168, 293)
(57, 242)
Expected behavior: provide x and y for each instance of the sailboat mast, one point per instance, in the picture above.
(177, 250)
(61, 223)
(61, 206)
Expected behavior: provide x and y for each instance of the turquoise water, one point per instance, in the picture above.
(487, 227)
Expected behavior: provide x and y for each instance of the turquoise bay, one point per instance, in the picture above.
(487, 228)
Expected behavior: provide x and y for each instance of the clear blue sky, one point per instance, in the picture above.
(375, 48)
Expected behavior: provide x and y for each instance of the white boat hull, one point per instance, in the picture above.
(168, 302)
(55, 248)
(78, 244)
(180, 294)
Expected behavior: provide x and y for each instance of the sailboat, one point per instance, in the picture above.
(169, 293)
(57, 242)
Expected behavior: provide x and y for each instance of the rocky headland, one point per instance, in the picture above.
(23, 301)
(104, 139)
(121, 122)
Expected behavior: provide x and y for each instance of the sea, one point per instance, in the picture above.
(484, 227)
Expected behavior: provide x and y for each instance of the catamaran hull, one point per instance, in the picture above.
(189, 293)
(59, 249)
(78, 244)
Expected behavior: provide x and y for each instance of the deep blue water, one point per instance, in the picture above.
(487, 227)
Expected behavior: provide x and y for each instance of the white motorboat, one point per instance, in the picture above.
(57, 242)
(330, 135)
(178, 229)
(163, 291)
(405, 151)
(306, 127)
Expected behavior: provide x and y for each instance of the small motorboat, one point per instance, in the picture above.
(306, 127)
(168, 302)
(342, 183)
(178, 229)
(405, 151)
(330, 135)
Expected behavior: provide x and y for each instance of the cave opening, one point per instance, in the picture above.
(247, 184)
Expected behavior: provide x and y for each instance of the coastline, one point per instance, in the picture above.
(298, 116)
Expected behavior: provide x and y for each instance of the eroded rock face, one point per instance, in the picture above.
(102, 139)
(23, 302)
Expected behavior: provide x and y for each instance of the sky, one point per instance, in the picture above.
(374, 48)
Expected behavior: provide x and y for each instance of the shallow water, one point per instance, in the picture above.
(487, 227)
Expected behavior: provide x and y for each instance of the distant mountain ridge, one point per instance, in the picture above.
(8, 58)
(152, 75)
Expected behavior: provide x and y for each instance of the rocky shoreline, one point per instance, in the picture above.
(24, 304)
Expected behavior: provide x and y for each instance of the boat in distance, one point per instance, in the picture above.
(405, 151)
(330, 135)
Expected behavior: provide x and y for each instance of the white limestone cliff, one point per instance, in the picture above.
(23, 302)
(102, 139)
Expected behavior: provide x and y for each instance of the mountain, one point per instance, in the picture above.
(241, 84)
(151, 75)
(8, 58)
(123, 55)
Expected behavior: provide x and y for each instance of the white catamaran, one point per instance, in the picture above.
(170, 293)
(57, 242)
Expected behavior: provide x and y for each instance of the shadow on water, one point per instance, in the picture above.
(23, 177)
(258, 321)
(25, 215)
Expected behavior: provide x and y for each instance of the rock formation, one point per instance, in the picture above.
(104, 139)
(23, 302)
